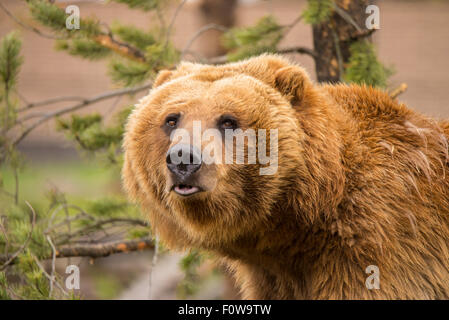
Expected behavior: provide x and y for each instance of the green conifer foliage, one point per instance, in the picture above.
(264, 36)
(145, 5)
(133, 35)
(84, 48)
(53, 17)
(364, 67)
(10, 62)
(317, 11)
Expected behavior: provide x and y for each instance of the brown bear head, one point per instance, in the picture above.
(207, 203)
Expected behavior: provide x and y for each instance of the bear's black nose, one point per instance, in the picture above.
(183, 160)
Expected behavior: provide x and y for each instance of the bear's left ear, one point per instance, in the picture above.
(166, 75)
(292, 82)
(162, 76)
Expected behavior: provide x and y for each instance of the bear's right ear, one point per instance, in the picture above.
(292, 82)
(162, 76)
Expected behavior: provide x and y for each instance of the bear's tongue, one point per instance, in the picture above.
(185, 190)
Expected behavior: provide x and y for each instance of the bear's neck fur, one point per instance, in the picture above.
(339, 217)
(300, 224)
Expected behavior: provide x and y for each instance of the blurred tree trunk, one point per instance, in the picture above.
(333, 38)
(221, 12)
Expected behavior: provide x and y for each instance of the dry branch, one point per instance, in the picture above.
(121, 48)
(95, 250)
(99, 250)
(360, 35)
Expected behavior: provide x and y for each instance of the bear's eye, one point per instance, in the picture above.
(171, 120)
(227, 122)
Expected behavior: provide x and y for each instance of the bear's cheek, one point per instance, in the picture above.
(149, 151)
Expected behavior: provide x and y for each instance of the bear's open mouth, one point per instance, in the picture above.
(186, 190)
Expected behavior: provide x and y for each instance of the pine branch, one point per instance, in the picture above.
(53, 17)
(244, 42)
(318, 11)
(364, 66)
(28, 27)
(133, 35)
(123, 49)
(9, 259)
(94, 250)
(84, 103)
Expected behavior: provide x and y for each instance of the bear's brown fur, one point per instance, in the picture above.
(362, 180)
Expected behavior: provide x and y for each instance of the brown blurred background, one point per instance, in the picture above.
(414, 39)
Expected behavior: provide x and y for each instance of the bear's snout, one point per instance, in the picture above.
(183, 161)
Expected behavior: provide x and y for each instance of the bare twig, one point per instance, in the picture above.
(67, 220)
(50, 101)
(398, 90)
(211, 26)
(339, 55)
(21, 96)
(84, 103)
(11, 258)
(300, 50)
(290, 26)
(161, 18)
(53, 264)
(65, 206)
(342, 13)
(28, 27)
(172, 22)
(100, 225)
(114, 105)
(49, 277)
(153, 263)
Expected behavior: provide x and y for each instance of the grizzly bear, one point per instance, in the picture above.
(357, 208)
